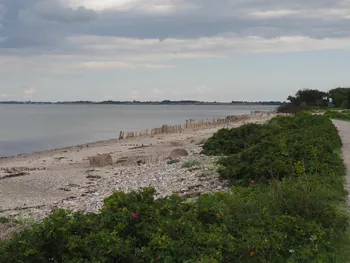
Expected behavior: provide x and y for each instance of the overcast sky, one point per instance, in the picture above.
(208, 50)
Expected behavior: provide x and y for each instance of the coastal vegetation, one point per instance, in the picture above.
(173, 161)
(340, 97)
(287, 204)
(339, 115)
(190, 163)
(136, 102)
(313, 99)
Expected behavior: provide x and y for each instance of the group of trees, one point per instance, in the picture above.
(310, 97)
(338, 97)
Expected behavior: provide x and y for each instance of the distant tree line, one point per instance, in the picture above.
(164, 102)
(303, 99)
(258, 102)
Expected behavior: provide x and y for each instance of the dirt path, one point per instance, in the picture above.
(344, 132)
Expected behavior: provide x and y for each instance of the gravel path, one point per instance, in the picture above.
(344, 132)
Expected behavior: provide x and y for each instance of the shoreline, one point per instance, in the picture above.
(32, 185)
(114, 140)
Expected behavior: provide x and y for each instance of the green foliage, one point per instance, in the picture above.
(226, 141)
(295, 213)
(281, 144)
(190, 163)
(288, 108)
(256, 224)
(340, 97)
(339, 115)
(4, 220)
(309, 97)
(173, 161)
(303, 100)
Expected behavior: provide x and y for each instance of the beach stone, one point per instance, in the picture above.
(176, 143)
(101, 160)
(177, 153)
(140, 162)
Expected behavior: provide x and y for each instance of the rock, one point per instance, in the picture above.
(140, 162)
(101, 160)
(176, 143)
(177, 153)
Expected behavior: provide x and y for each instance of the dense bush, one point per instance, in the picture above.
(230, 141)
(288, 108)
(340, 97)
(290, 208)
(284, 222)
(305, 139)
(339, 115)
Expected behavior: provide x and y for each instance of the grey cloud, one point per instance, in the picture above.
(26, 21)
(2, 11)
(52, 11)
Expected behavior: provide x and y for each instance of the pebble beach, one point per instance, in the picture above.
(32, 185)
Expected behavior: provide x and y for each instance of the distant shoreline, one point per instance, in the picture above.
(263, 103)
(116, 140)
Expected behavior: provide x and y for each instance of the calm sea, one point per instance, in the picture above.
(28, 128)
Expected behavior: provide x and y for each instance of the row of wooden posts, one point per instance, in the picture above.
(190, 124)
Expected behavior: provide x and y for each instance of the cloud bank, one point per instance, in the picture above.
(65, 36)
(77, 27)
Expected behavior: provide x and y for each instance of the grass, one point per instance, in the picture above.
(324, 109)
(338, 115)
(190, 163)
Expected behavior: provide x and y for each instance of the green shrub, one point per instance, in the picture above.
(4, 220)
(284, 142)
(339, 115)
(245, 225)
(287, 205)
(288, 108)
(231, 141)
(190, 163)
(173, 161)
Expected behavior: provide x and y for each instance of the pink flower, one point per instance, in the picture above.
(252, 182)
(134, 215)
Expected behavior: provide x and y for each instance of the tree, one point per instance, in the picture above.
(340, 97)
(309, 97)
